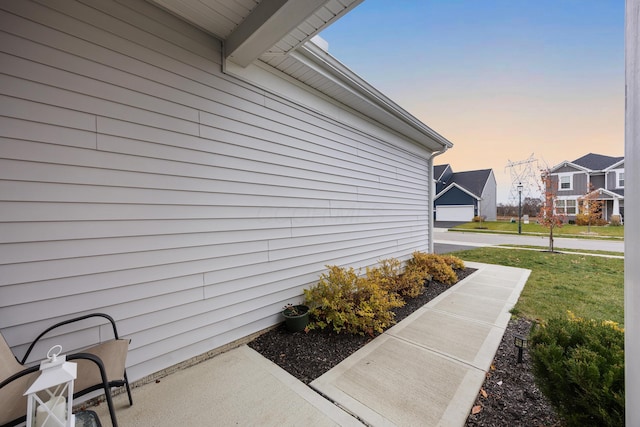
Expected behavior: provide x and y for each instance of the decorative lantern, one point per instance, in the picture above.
(50, 397)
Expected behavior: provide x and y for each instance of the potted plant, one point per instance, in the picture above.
(296, 317)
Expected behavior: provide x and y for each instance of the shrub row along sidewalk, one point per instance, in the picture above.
(363, 304)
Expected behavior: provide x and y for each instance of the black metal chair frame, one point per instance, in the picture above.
(106, 385)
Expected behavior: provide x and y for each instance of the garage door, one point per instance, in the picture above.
(454, 213)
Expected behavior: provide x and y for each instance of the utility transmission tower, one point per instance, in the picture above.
(526, 173)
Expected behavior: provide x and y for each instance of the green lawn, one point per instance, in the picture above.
(544, 248)
(567, 229)
(589, 286)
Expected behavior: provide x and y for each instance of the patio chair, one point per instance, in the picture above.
(99, 367)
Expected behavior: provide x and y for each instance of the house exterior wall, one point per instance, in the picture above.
(612, 178)
(140, 181)
(579, 183)
(597, 181)
(489, 199)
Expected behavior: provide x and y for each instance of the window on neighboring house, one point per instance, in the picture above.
(566, 207)
(620, 179)
(565, 182)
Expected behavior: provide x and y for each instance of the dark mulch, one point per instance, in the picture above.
(512, 397)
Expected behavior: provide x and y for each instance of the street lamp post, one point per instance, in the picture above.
(520, 208)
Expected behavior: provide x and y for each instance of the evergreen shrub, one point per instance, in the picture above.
(579, 365)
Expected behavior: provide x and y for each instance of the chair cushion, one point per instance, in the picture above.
(113, 354)
(12, 402)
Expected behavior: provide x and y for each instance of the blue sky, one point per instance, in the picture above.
(499, 79)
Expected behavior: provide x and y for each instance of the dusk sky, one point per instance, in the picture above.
(499, 79)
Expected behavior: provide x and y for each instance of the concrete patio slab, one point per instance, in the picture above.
(236, 388)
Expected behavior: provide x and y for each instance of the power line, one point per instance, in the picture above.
(526, 173)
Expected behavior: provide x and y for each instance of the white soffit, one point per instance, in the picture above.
(253, 28)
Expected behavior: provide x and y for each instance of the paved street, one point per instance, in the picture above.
(446, 241)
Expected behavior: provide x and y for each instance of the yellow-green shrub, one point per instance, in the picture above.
(433, 265)
(416, 271)
(390, 277)
(595, 219)
(350, 303)
(453, 261)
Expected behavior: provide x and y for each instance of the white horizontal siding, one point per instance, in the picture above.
(138, 180)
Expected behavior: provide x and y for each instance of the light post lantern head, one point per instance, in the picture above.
(50, 397)
(520, 343)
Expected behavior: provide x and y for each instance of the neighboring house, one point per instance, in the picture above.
(462, 195)
(190, 169)
(572, 179)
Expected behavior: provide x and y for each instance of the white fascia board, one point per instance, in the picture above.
(599, 191)
(394, 116)
(450, 186)
(567, 163)
(447, 166)
(614, 166)
(267, 24)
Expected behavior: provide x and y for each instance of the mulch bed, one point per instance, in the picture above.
(512, 399)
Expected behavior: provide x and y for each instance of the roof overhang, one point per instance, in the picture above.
(250, 29)
(567, 163)
(454, 185)
(373, 103)
(267, 24)
(602, 194)
(616, 165)
(277, 35)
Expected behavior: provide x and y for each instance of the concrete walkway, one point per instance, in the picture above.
(427, 370)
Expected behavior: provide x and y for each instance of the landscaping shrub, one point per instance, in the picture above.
(597, 220)
(478, 218)
(390, 277)
(453, 261)
(350, 303)
(579, 365)
(431, 267)
(616, 220)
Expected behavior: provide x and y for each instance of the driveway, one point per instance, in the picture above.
(443, 240)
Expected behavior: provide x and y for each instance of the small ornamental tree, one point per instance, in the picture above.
(550, 218)
(590, 209)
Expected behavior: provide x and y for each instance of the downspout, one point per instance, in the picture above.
(432, 194)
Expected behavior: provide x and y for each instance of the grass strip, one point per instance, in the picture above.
(537, 229)
(591, 287)
(584, 251)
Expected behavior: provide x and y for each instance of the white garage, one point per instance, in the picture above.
(454, 213)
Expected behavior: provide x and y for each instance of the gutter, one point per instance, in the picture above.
(432, 193)
(392, 115)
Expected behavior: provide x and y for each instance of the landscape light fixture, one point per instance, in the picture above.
(520, 343)
(519, 208)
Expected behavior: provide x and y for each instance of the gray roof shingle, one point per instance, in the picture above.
(472, 181)
(596, 162)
